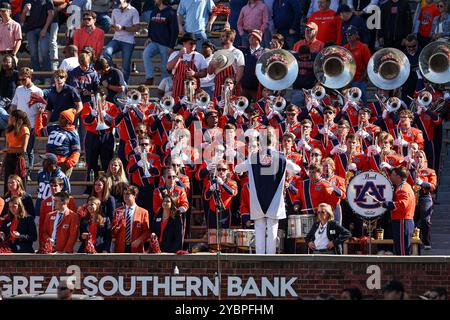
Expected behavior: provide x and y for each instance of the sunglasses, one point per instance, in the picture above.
(221, 169)
(144, 144)
(328, 112)
(342, 127)
(306, 127)
(412, 47)
(315, 154)
(289, 114)
(22, 79)
(322, 211)
(177, 120)
(60, 77)
(87, 19)
(176, 165)
(171, 177)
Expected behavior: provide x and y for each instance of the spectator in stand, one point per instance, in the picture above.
(396, 24)
(110, 78)
(329, 24)
(89, 35)
(102, 192)
(363, 9)
(424, 22)
(310, 40)
(361, 54)
(61, 97)
(16, 189)
(287, 16)
(18, 228)
(207, 83)
(25, 100)
(36, 17)
(351, 294)
(236, 7)
(117, 179)
(277, 41)
(441, 24)
(267, 36)
(71, 60)
(438, 293)
(162, 37)
(168, 226)
(249, 82)
(351, 19)
(165, 87)
(394, 290)
(9, 77)
(147, 8)
(254, 16)
(412, 52)
(305, 77)
(60, 227)
(101, 7)
(196, 15)
(84, 78)
(63, 141)
(125, 22)
(314, 6)
(17, 137)
(10, 33)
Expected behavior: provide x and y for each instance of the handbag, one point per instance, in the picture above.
(21, 166)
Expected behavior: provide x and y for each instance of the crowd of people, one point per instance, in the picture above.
(210, 117)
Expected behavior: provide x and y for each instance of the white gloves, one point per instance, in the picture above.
(339, 149)
(385, 114)
(419, 181)
(408, 159)
(94, 113)
(141, 163)
(385, 165)
(447, 96)
(363, 134)
(272, 114)
(352, 167)
(400, 142)
(220, 181)
(238, 113)
(211, 166)
(303, 144)
(213, 187)
(230, 153)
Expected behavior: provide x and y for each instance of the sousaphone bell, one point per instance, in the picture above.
(276, 69)
(434, 62)
(334, 67)
(388, 68)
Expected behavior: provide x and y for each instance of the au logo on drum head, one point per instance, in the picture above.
(367, 191)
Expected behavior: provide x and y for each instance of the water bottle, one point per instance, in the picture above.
(91, 175)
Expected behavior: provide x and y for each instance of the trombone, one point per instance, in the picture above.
(98, 106)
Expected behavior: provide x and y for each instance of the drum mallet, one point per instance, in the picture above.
(373, 198)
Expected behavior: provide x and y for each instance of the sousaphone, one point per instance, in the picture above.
(334, 67)
(388, 68)
(276, 69)
(434, 62)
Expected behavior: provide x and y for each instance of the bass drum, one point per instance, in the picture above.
(366, 193)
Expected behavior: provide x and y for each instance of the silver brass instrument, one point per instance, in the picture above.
(145, 166)
(276, 69)
(240, 104)
(354, 94)
(202, 99)
(98, 105)
(393, 104)
(334, 67)
(226, 94)
(189, 91)
(424, 99)
(166, 104)
(434, 62)
(278, 104)
(132, 100)
(318, 92)
(388, 68)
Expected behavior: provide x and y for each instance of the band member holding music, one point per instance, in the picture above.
(267, 172)
(326, 235)
(130, 227)
(424, 186)
(48, 205)
(18, 228)
(144, 168)
(328, 174)
(60, 227)
(167, 225)
(219, 192)
(186, 64)
(402, 214)
(227, 62)
(95, 228)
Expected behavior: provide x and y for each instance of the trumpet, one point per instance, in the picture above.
(278, 103)
(98, 105)
(354, 94)
(424, 99)
(240, 104)
(202, 99)
(189, 91)
(166, 104)
(393, 104)
(318, 92)
(226, 94)
(145, 166)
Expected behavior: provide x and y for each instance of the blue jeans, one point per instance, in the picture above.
(39, 48)
(149, 52)
(103, 21)
(244, 40)
(30, 150)
(361, 85)
(53, 51)
(115, 46)
(201, 37)
(267, 37)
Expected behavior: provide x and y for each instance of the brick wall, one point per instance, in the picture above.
(315, 274)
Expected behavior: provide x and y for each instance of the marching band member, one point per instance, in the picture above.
(381, 156)
(306, 142)
(219, 192)
(402, 214)
(425, 183)
(63, 139)
(18, 228)
(48, 205)
(266, 188)
(130, 226)
(180, 146)
(144, 168)
(328, 129)
(167, 226)
(140, 132)
(287, 147)
(350, 110)
(365, 131)
(236, 69)
(315, 190)
(182, 179)
(337, 143)
(60, 228)
(117, 179)
(406, 134)
(348, 159)
(186, 64)
(102, 191)
(162, 129)
(95, 227)
(328, 174)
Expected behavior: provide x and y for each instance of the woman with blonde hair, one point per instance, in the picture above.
(16, 188)
(117, 179)
(95, 228)
(102, 191)
(18, 228)
(326, 236)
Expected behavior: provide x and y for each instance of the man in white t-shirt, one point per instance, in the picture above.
(124, 24)
(26, 98)
(71, 60)
(165, 87)
(235, 70)
(186, 64)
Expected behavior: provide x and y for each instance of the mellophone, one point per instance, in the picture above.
(243, 239)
